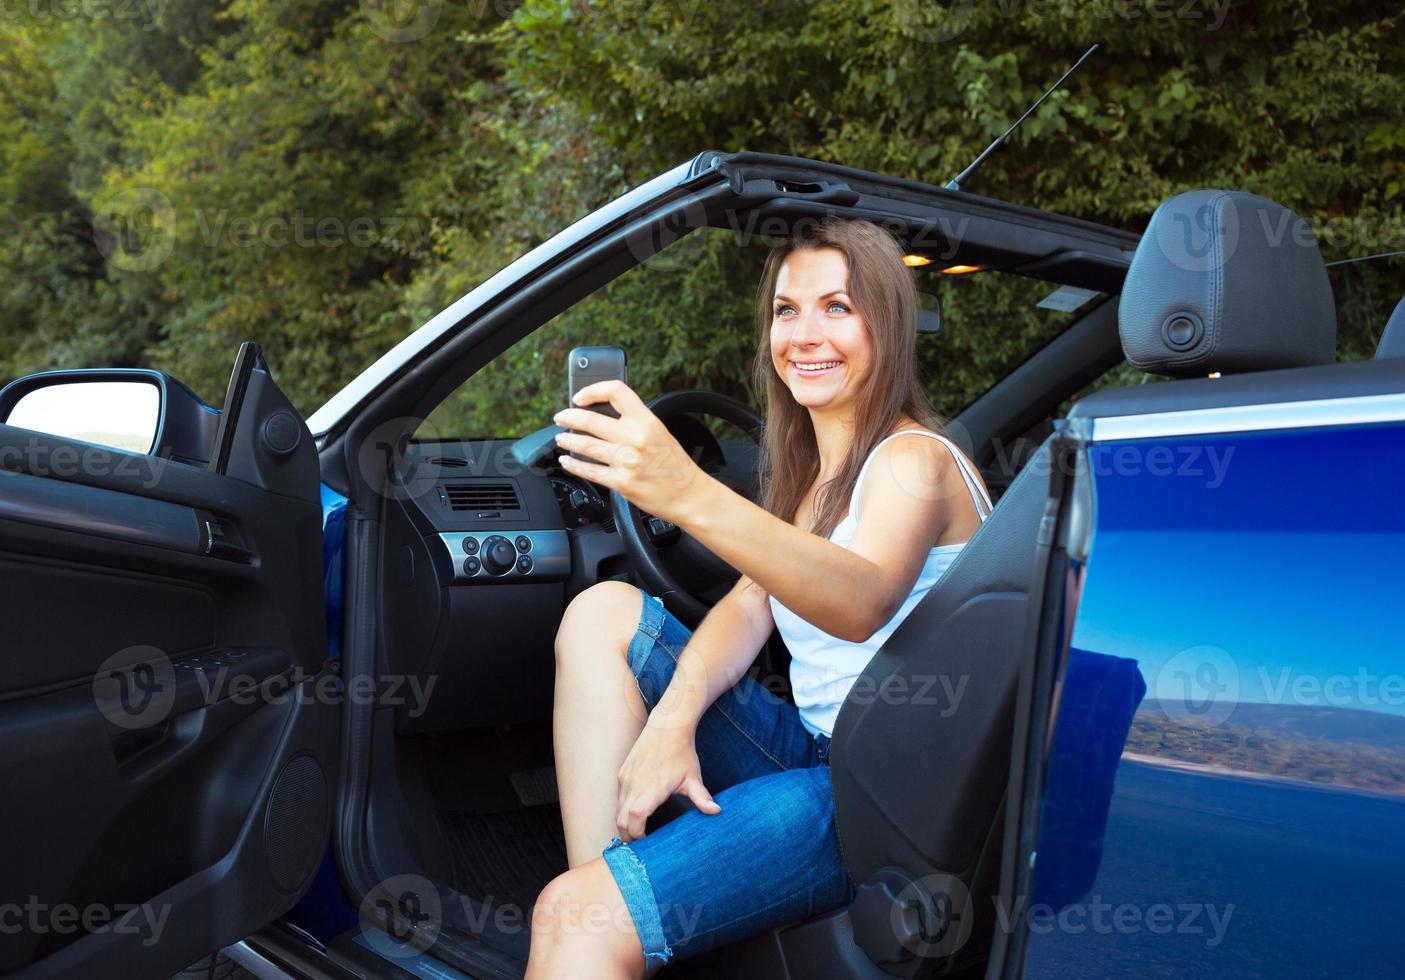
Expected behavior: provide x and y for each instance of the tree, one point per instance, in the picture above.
(324, 176)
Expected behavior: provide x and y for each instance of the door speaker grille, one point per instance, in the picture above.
(295, 822)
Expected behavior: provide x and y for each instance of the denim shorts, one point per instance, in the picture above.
(770, 857)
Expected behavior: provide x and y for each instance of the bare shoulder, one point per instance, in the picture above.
(912, 464)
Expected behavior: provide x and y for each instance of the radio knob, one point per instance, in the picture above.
(498, 555)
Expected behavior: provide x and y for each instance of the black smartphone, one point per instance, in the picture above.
(587, 365)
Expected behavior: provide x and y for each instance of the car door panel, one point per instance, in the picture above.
(1254, 757)
(171, 736)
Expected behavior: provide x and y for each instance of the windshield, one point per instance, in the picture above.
(685, 320)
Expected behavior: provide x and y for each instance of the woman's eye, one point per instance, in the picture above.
(837, 307)
(784, 310)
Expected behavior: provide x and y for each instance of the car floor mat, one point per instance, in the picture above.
(506, 858)
(535, 787)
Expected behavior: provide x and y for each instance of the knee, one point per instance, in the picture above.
(557, 901)
(551, 917)
(580, 916)
(564, 906)
(602, 618)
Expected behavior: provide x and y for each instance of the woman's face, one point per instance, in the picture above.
(820, 345)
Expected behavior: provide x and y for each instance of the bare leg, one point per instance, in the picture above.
(598, 712)
(582, 928)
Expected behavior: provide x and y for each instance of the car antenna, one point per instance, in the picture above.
(1365, 258)
(954, 184)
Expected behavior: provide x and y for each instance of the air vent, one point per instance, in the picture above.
(454, 462)
(482, 496)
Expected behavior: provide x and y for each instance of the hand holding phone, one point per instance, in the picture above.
(587, 365)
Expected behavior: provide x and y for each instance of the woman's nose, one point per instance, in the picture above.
(807, 331)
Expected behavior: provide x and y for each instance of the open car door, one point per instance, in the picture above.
(168, 720)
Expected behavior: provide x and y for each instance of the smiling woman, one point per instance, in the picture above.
(819, 356)
(668, 710)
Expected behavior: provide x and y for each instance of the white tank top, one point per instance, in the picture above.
(824, 667)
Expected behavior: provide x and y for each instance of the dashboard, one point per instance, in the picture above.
(484, 544)
(503, 510)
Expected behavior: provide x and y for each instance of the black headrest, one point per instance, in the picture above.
(1393, 339)
(1226, 281)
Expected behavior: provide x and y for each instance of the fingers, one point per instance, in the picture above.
(634, 808)
(592, 423)
(597, 449)
(702, 799)
(617, 394)
(594, 472)
(632, 815)
(620, 396)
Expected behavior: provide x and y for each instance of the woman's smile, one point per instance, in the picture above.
(812, 370)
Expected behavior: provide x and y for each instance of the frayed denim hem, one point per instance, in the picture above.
(633, 880)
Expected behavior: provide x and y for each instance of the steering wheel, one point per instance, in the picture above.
(639, 537)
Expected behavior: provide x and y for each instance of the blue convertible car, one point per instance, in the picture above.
(278, 690)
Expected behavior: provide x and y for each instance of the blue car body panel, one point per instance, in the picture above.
(324, 911)
(334, 566)
(1248, 818)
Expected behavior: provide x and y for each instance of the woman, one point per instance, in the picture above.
(865, 505)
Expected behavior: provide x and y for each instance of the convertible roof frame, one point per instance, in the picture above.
(1113, 245)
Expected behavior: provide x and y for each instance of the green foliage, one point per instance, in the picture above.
(680, 317)
(324, 176)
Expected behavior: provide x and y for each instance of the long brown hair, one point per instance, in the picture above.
(884, 294)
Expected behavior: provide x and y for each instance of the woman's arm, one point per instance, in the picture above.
(847, 592)
(716, 656)
(664, 760)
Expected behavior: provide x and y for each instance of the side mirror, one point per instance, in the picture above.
(929, 312)
(130, 409)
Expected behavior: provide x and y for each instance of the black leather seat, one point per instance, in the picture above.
(1393, 337)
(922, 745)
